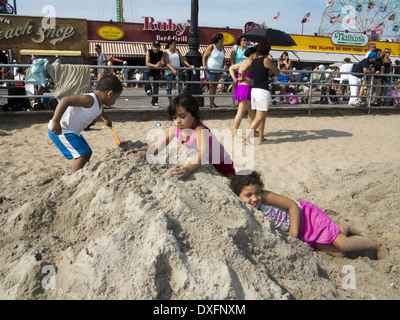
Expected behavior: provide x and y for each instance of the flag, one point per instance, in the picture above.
(335, 19)
(350, 21)
(379, 28)
(277, 16)
(306, 18)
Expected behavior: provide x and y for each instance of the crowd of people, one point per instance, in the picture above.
(347, 81)
(329, 83)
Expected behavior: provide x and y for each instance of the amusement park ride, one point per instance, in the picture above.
(379, 19)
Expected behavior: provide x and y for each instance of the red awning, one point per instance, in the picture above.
(130, 49)
(118, 49)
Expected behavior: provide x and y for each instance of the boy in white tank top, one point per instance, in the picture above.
(74, 113)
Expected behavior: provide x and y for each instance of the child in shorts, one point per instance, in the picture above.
(304, 220)
(74, 113)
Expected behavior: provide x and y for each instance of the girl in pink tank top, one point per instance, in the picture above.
(191, 132)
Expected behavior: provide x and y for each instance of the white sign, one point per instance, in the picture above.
(349, 38)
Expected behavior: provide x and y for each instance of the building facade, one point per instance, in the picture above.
(22, 37)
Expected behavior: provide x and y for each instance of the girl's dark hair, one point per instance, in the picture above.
(216, 37)
(249, 51)
(238, 182)
(109, 82)
(187, 101)
(169, 42)
(263, 48)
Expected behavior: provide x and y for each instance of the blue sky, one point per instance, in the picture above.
(212, 13)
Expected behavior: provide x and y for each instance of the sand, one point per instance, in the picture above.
(122, 228)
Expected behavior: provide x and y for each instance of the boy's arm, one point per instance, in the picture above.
(106, 120)
(85, 101)
(271, 198)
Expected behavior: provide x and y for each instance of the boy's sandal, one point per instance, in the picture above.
(213, 106)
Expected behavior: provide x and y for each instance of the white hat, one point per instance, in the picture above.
(322, 67)
(125, 62)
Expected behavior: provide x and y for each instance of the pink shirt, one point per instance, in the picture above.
(223, 163)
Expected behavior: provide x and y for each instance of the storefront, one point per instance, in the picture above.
(130, 41)
(22, 37)
(341, 45)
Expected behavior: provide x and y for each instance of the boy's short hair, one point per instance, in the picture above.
(109, 82)
(186, 101)
(238, 182)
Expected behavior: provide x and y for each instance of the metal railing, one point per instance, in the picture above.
(311, 95)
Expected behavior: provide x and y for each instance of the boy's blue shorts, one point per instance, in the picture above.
(71, 145)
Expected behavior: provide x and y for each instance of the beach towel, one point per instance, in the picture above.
(71, 79)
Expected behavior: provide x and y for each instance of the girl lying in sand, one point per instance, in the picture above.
(191, 132)
(304, 220)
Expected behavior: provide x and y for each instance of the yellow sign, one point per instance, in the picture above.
(324, 44)
(110, 33)
(228, 38)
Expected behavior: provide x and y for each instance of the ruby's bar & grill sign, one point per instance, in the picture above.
(167, 26)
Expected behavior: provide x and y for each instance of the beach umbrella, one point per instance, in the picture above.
(273, 36)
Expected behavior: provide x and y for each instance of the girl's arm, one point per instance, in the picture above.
(269, 64)
(85, 101)
(232, 70)
(270, 198)
(184, 61)
(158, 146)
(202, 147)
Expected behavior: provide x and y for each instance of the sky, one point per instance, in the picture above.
(212, 13)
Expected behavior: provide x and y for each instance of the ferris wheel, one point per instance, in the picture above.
(379, 19)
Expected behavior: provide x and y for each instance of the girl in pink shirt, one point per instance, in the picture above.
(191, 132)
(304, 220)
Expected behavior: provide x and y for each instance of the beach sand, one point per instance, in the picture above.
(122, 228)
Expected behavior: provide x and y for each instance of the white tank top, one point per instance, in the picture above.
(215, 59)
(174, 61)
(76, 119)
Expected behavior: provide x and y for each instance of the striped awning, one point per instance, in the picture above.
(184, 49)
(62, 53)
(118, 49)
(131, 49)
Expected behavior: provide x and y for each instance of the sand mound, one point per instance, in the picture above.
(125, 229)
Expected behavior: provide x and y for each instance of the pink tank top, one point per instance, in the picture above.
(215, 147)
